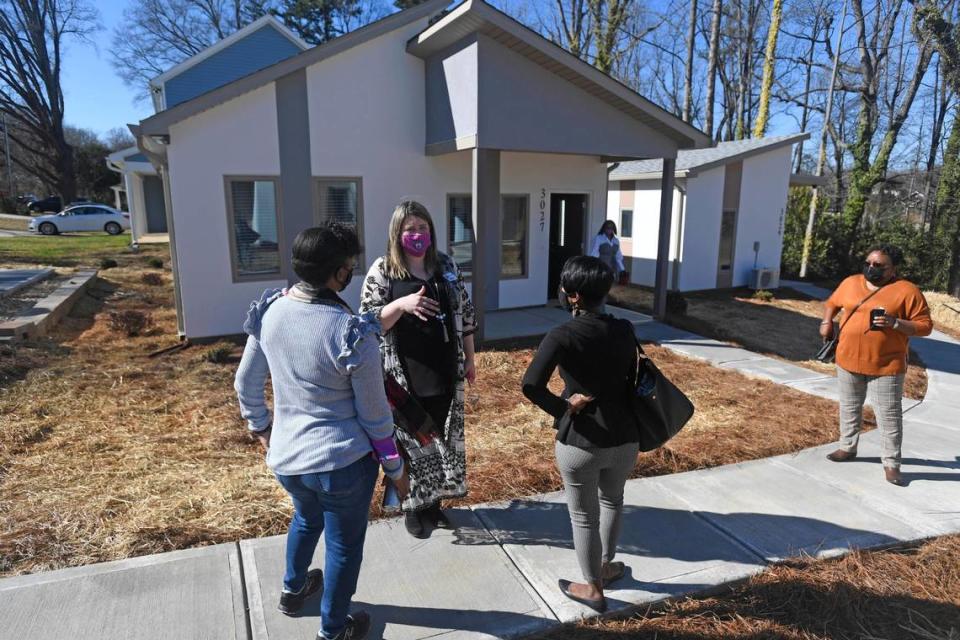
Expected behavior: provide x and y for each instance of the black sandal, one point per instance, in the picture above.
(599, 606)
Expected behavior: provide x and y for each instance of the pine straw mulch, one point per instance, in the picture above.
(106, 453)
(910, 593)
(786, 327)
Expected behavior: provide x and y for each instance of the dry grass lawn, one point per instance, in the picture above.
(911, 593)
(787, 327)
(108, 453)
(945, 310)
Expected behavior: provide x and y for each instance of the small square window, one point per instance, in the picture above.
(626, 223)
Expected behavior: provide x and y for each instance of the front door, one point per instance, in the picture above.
(153, 201)
(568, 219)
(728, 228)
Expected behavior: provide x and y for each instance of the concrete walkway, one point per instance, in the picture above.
(496, 575)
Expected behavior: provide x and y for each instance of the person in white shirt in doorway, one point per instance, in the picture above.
(606, 246)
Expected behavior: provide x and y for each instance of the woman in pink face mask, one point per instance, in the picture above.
(427, 321)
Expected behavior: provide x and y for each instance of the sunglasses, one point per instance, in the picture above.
(876, 265)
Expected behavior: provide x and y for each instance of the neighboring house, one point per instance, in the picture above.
(144, 192)
(499, 132)
(728, 213)
(258, 45)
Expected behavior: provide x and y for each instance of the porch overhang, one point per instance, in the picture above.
(492, 83)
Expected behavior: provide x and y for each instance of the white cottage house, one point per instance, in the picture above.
(505, 137)
(144, 192)
(259, 44)
(727, 220)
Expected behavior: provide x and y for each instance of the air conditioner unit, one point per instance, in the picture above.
(764, 279)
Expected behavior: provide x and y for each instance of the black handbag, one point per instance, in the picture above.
(660, 408)
(828, 352)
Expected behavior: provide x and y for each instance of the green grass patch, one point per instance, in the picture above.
(64, 251)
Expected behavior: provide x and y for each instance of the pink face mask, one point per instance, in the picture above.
(415, 244)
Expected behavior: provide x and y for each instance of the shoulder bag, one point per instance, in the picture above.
(828, 351)
(659, 407)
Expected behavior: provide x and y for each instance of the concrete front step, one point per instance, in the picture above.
(37, 320)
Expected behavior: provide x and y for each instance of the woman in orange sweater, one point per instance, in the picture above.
(872, 351)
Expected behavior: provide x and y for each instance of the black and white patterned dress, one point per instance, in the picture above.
(439, 469)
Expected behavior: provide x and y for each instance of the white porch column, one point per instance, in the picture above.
(663, 239)
(487, 229)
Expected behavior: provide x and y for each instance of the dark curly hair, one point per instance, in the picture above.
(891, 251)
(319, 251)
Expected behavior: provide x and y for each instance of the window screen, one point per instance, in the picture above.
(460, 214)
(626, 223)
(254, 218)
(514, 248)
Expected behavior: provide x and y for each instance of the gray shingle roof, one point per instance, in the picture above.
(694, 160)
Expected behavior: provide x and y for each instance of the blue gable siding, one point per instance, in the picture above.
(262, 48)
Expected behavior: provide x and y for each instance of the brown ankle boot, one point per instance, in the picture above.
(841, 455)
(893, 476)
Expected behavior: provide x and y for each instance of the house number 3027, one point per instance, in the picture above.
(543, 208)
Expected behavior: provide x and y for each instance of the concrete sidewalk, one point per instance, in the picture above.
(496, 575)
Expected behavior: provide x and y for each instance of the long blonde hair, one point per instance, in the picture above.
(396, 263)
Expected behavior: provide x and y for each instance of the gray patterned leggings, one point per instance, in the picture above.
(593, 481)
(887, 405)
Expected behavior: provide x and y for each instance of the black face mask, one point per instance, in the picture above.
(875, 275)
(346, 281)
(564, 300)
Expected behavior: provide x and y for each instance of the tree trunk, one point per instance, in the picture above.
(712, 64)
(688, 78)
(769, 65)
(864, 174)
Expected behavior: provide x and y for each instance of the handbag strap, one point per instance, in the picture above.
(846, 318)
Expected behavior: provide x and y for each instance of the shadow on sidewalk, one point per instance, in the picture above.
(655, 532)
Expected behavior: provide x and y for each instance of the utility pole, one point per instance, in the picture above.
(6, 152)
(822, 155)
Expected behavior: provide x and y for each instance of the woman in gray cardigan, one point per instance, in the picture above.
(330, 415)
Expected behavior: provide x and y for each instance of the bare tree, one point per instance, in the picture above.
(822, 150)
(875, 41)
(156, 35)
(769, 64)
(33, 34)
(717, 13)
(569, 26)
(688, 76)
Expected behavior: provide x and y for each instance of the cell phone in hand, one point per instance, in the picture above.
(876, 314)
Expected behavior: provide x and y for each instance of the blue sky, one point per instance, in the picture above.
(95, 97)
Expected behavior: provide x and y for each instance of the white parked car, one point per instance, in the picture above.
(82, 217)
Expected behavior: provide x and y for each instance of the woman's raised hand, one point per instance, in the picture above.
(420, 305)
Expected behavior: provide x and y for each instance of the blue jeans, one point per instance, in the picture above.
(336, 502)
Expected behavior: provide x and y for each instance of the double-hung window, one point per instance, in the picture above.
(626, 223)
(341, 200)
(253, 219)
(514, 246)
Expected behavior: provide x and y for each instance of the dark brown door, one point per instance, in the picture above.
(568, 218)
(728, 229)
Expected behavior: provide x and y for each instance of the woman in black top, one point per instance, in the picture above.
(597, 437)
(427, 323)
